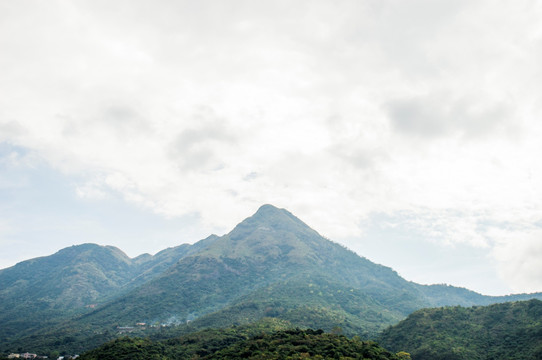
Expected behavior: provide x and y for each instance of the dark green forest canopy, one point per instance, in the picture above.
(234, 344)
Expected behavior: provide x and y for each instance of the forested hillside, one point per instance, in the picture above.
(255, 342)
(498, 332)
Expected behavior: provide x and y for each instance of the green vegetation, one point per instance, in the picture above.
(304, 344)
(245, 343)
(499, 332)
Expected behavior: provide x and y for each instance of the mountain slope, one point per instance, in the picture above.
(149, 266)
(505, 331)
(308, 302)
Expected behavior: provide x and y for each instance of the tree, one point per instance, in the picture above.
(403, 355)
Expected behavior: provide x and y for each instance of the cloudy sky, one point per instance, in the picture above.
(408, 131)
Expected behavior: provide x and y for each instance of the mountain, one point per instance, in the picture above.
(504, 331)
(271, 248)
(44, 291)
(270, 265)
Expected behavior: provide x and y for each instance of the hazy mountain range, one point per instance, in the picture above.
(271, 265)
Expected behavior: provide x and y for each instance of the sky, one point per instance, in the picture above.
(408, 131)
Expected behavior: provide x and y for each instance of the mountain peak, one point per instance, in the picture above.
(270, 218)
(268, 208)
(268, 211)
(269, 233)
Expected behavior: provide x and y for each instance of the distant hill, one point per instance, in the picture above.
(447, 295)
(504, 331)
(270, 265)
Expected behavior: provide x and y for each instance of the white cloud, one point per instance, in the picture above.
(519, 254)
(91, 190)
(335, 111)
(438, 115)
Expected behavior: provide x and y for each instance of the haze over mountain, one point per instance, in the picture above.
(270, 265)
